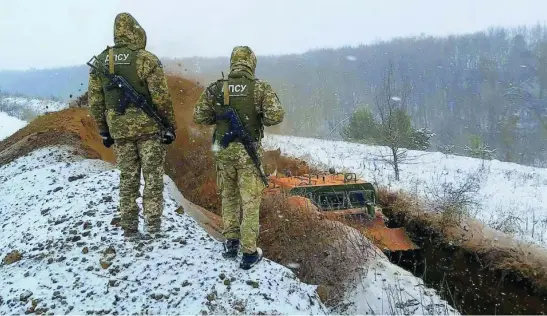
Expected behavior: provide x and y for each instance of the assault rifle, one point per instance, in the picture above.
(130, 95)
(238, 130)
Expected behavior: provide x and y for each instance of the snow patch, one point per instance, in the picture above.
(26, 108)
(386, 289)
(351, 58)
(9, 125)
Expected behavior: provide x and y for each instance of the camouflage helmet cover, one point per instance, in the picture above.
(243, 56)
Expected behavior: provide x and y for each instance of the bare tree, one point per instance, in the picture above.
(394, 123)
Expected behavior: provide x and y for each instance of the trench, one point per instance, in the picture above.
(461, 277)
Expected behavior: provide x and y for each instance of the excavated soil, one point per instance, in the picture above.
(477, 269)
(73, 127)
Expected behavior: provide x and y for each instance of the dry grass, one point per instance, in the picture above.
(321, 251)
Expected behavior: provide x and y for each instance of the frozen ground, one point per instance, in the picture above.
(57, 210)
(9, 125)
(511, 197)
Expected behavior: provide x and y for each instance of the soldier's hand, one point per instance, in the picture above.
(168, 137)
(107, 139)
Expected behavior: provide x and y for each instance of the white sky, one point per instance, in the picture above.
(52, 33)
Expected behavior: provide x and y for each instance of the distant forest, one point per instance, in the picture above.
(490, 86)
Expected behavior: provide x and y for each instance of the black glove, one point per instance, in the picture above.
(107, 139)
(168, 137)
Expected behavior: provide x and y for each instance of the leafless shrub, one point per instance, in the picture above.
(454, 199)
(506, 222)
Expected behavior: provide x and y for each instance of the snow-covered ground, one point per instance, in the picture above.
(57, 211)
(9, 125)
(27, 108)
(386, 289)
(511, 197)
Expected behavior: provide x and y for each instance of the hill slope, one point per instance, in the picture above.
(488, 84)
(57, 211)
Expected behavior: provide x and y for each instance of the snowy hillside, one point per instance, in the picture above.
(9, 125)
(511, 197)
(58, 211)
(26, 108)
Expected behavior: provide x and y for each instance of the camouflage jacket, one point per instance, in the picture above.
(242, 62)
(134, 123)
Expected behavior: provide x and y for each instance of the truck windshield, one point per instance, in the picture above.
(340, 200)
(356, 199)
(331, 200)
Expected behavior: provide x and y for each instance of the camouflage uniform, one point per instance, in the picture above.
(239, 182)
(135, 135)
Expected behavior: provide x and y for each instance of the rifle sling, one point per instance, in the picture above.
(111, 60)
(226, 94)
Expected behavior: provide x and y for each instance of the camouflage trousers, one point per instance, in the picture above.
(132, 157)
(241, 192)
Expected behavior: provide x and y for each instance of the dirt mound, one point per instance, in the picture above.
(74, 127)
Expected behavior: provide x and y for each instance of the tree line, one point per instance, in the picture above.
(481, 94)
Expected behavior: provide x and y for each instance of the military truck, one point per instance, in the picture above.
(343, 195)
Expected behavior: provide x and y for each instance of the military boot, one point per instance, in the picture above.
(153, 229)
(130, 226)
(130, 233)
(250, 260)
(231, 247)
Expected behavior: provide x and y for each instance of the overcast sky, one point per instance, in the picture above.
(52, 33)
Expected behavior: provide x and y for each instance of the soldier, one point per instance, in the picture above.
(241, 188)
(136, 137)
